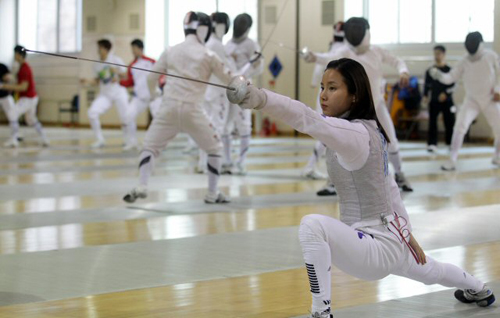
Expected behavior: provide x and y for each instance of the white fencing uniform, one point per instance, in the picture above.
(182, 105)
(372, 61)
(216, 104)
(481, 81)
(141, 98)
(361, 243)
(241, 51)
(110, 92)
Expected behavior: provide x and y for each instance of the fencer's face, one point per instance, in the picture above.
(438, 56)
(18, 57)
(335, 97)
(136, 51)
(103, 52)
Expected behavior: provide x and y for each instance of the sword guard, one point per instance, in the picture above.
(238, 89)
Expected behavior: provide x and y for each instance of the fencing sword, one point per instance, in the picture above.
(302, 52)
(132, 67)
(235, 92)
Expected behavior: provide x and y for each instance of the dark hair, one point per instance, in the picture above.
(105, 44)
(20, 50)
(137, 43)
(358, 84)
(440, 48)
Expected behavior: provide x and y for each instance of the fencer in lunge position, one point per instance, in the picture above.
(27, 103)
(141, 98)
(243, 50)
(319, 148)
(182, 105)
(358, 48)
(216, 104)
(373, 237)
(480, 72)
(110, 92)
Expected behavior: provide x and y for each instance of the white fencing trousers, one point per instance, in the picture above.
(175, 117)
(369, 255)
(102, 104)
(137, 107)
(466, 115)
(217, 111)
(9, 108)
(385, 120)
(240, 120)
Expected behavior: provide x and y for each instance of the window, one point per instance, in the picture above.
(403, 21)
(50, 25)
(161, 34)
(468, 16)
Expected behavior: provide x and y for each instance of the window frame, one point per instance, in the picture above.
(78, 29)
(414, 45)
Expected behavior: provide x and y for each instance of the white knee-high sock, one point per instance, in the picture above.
(213, 166)
(244, 146)
(132, 133)
(454, 276)
(146, 166)
(456, 143)
(202, 161)
(317, 256)
(395, 159)
(14, 129)
(96, 127)
(226, 141)
(39, 129)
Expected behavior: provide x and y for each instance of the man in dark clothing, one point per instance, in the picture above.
(440, 101)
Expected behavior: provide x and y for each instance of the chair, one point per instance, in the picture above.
(73, 109)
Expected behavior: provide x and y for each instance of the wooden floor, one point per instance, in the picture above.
(69, 246)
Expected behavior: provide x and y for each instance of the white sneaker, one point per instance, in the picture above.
(432, 148)
(216, 198)
(449, 165)
(496, 161)
(98, 144)
(130, 146)
(240, 169)
(139, 192)
(45, 143)
(313, 174)
(482, 298)
(402, 182)
(11, 143)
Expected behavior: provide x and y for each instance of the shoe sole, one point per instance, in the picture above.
(325, 194)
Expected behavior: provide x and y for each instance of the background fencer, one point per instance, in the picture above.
(141, 98)
(480, 72)
(216, 103)
(243, 50)
(27, 103)
(110, 92)
(358, 48)
(182, 105)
